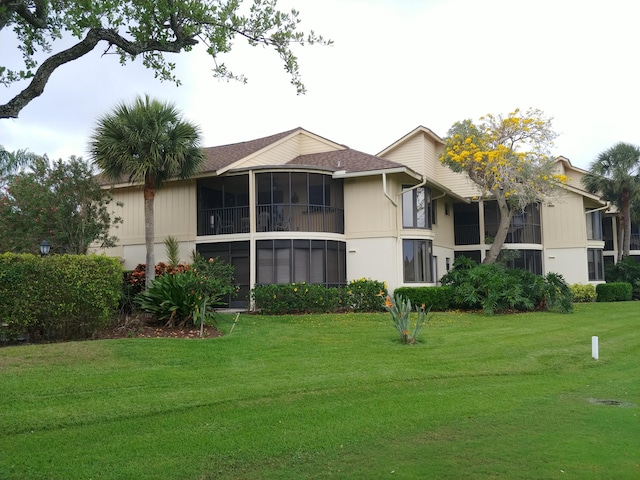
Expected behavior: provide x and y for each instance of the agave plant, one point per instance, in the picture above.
(401, 313)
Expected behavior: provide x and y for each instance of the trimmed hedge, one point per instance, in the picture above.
(614, 292)
(57, 297)
(583, 293)
(279, 299)
(361, 295)
(439, 298)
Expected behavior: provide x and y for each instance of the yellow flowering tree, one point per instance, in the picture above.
(508, 158)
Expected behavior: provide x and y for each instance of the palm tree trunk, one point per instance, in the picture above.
(149, 226)
(626, 213)
(620, 235)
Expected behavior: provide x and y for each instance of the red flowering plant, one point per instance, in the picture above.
(188, 295)
(401, 315)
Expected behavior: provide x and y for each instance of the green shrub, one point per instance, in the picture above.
(495, 288)
(556, 293)
(366, 295)
(278, 299)
(583, 293)
(614, 292)
(438, 299)
(186, 294)
(626, 270)
(58, 297)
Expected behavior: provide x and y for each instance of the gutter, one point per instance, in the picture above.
(597, 209)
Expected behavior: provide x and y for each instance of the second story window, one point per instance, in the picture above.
(416, 208)
(594, 225)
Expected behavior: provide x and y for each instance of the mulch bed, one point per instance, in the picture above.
(157, 331)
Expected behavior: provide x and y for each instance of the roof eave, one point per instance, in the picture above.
(371, 173)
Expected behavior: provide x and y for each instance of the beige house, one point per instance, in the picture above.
(297, 207)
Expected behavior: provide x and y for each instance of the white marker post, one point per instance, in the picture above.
(594, 347)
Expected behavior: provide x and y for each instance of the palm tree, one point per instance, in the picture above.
(12, 162)
(147, 143)
(615, 174)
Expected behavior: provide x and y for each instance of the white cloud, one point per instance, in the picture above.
(394, 66)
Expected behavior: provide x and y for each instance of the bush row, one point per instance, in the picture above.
(495, 288)
(583, 293)
(438, 298)
(57, 297)
(614, 292)
(626, 270)
(362, 295)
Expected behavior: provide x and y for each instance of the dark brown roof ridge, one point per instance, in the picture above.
(348, 160)
(221, 156)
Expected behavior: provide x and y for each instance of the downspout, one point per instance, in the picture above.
(397, 229)
(384, 189)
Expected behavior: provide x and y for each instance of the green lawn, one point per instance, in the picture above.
(333, 396)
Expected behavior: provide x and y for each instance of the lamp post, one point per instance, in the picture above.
(45, 247)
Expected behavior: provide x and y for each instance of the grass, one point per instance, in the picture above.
(333, 396)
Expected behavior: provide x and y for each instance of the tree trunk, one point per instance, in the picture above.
(506, 214)
(619, 235)
(626, 214)
(150, 269)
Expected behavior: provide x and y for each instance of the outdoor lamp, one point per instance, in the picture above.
(44, 248)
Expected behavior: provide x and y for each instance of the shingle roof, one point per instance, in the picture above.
(224, 155)
(348, 160)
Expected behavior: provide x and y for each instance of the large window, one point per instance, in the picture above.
(236, 254)
(417, 256)
(299, 201)
(523, 259)
(594, 225)
(524, 227)
(223, 205)
(416, 208)
(313, 261)
(466, 221)
(595, 264)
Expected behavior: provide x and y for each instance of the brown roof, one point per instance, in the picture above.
(225, 155)
(348, 160)
(345, 159)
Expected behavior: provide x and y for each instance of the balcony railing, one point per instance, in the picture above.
(635, 242)
(470, 234)
(271, 218)
(467, 234)
(223, 221)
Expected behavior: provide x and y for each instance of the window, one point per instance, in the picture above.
(530, 260)
(416, 208)
(236, 254)
(594, 225)
(524, 227)
(595, 264)
(434, 212)
(299, 201)
(313, 261)
(417, 260)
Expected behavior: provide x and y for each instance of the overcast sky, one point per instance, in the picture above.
(394, 65)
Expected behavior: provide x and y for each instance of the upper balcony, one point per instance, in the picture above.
(284, 201)
(524, 227)
(271, 218)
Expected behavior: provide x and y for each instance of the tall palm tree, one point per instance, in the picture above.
(147, 143)
(12, 162)
(615, 174)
